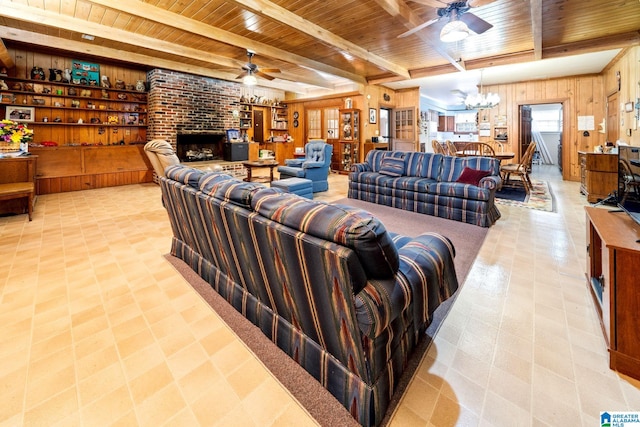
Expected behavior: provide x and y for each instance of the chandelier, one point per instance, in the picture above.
(481, 101)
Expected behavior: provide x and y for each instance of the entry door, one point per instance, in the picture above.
(612, 118)
(258, 125)
(525, 128)
(404, 130)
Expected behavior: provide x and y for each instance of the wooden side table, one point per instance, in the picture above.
(259, 164)
(17, 184)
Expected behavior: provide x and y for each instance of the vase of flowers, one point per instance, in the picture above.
(14, 137)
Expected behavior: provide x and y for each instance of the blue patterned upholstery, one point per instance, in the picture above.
(428, 185)
(315, 165)
(343, 297)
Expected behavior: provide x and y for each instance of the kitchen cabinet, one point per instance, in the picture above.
(446, 123)
(613, 257)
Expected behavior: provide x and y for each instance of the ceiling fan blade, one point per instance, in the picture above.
(242, 75)
(418, 28)
(479, 3)
(263, 75)
(475, 23)
(270, 70)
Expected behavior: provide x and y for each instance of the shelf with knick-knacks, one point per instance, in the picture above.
(349, 139)
(48, 105)
(279, 118)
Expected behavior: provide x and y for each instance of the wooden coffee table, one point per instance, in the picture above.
(259, 164)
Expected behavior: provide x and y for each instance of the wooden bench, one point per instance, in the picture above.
(17, 181)
(17, 190)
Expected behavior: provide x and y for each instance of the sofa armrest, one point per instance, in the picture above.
(310, 165)
(492, 182)
(426, 277)
(361, 167)
(296, 163)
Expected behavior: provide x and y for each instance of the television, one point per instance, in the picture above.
(628, 195)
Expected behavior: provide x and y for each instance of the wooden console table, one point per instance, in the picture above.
(612, 278)
(17, 184)
(598, 175)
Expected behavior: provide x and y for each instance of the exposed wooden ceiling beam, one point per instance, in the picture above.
(150, 61)
(39, 16)
(164, 17)
(5, 57)
(615, 41)
(400, 10)
(283, 16)
(536, 28)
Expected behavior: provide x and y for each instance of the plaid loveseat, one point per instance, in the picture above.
(428, 183)
(343, 297)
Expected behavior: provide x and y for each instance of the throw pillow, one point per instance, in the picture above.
(472, 176)
(393, 166)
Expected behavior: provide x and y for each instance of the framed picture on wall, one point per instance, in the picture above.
(373, 113)
(19, 113)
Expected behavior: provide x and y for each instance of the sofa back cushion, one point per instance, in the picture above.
(423, 165)
(452, 167)
(184, 175)
(211, 180)
(374, 159)
(347, 226)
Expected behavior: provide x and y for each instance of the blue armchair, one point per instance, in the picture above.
(315, 165)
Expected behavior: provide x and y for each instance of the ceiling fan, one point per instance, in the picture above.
(457, 11)
(251, 70)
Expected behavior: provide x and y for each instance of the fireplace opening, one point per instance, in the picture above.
(200, 146)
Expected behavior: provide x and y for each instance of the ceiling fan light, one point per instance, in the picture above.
(250, 80)
(454, 31)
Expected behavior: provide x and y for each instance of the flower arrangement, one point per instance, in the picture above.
(14, 133)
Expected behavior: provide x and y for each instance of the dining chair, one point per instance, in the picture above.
(521, 169)
(630, 180)
(451, 147)
(437, 147)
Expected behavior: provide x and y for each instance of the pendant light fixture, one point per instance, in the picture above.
(250, 80)
(454, 30)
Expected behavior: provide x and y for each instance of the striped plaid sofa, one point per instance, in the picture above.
(343, 297)
(427, 183)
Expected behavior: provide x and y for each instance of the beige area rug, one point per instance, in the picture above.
(540, 198)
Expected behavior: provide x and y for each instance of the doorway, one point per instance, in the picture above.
(545, 125)
(258, 125)
(612, 117)
(385, 126)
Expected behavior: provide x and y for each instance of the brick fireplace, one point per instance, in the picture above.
(197, 108)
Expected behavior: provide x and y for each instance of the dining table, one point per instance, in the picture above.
(507, 155)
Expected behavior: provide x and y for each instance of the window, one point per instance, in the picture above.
(314, 124)
(331, 118)
(547, 120)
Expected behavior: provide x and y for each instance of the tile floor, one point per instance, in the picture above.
(98, 329)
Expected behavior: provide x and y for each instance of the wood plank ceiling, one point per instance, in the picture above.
(322, 44)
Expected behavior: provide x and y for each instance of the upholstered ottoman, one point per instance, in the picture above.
(300, 186)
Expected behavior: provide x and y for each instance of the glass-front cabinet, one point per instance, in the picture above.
(349, 141)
